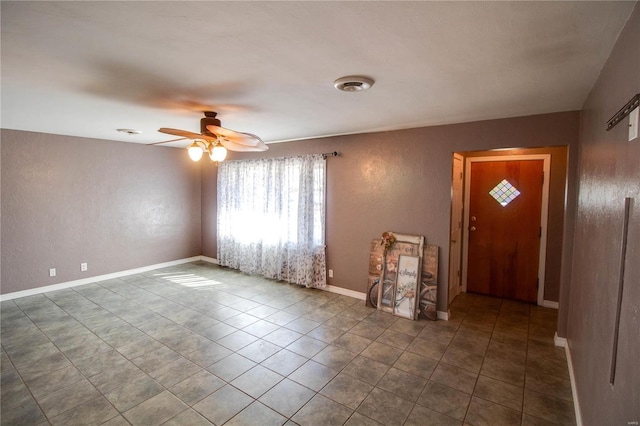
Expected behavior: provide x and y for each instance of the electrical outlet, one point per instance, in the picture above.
(52, 272)
(83, 267)
(330, 273)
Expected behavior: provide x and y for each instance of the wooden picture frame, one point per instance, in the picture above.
(429, 284)
(376, 257)
(406, 290)
(371, 299)
(407, 245)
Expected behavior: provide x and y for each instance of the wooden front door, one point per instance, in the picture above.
(505, 201)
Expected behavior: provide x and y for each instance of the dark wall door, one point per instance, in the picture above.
(505, 200)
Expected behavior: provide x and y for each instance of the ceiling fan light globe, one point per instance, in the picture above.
(195, 152)
(219, 153)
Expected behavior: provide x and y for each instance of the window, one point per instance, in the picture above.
(504, 193)
(271, 218)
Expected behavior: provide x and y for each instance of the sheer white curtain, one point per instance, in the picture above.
(271, 218)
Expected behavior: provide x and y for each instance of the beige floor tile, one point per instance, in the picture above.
(223, 404)
(154, 349)
(156, 410)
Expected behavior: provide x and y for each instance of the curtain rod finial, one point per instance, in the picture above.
(330, 154)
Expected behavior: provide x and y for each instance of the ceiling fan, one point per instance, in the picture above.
(215, 139)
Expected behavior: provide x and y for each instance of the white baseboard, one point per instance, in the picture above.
(572, 377)
(97, 278)
(549, 304)
(210, 260)
(559, 341)
(345, 292)
(83, 281)
(45, 289)
(329, 288)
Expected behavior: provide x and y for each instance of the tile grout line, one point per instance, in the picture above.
(178, 298)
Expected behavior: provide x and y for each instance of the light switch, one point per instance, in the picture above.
(633, 124)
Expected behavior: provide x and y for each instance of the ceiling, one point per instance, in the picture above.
(87, 68)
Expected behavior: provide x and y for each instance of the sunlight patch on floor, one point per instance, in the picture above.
(190, 280)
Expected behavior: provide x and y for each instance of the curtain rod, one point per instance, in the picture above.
(331, 154)
(624, 111)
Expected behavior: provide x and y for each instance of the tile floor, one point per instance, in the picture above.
(197, 345)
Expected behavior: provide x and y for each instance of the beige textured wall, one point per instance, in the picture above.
(609, 172)
(113, 205)
(209, 216)
(399, 181)
(65, 198)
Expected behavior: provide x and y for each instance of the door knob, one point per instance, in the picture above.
(473, 219)
(473, 228)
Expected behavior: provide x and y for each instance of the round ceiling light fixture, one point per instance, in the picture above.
(353, 83)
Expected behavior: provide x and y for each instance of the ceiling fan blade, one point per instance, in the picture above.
(233, 146)
(170, 140)
(261, 146)
(187, 135)
(237, 137)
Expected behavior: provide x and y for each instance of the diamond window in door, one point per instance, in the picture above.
(504, 192)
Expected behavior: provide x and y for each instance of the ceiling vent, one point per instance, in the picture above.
(353, 83)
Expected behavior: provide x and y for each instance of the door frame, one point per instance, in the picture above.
(544, 214)
(455, 279)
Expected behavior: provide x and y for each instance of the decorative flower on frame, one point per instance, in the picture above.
(388, 240)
